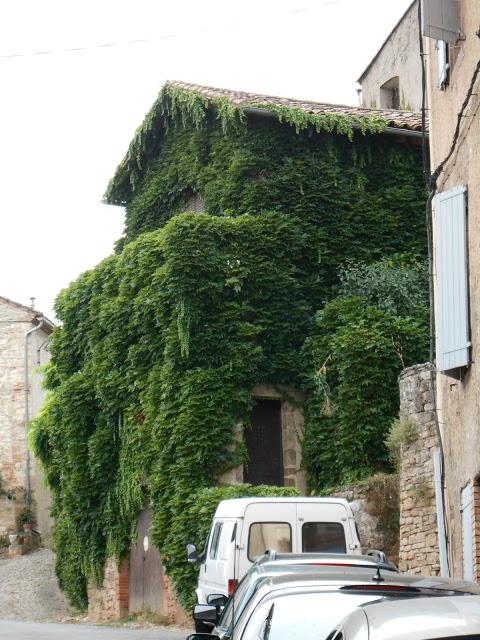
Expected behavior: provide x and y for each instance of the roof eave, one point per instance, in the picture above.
(397, 131)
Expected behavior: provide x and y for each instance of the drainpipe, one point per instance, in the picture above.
(27, 416)
(442, 539)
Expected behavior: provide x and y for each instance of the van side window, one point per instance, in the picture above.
(215, 540)
(323, 537)
(268, 535)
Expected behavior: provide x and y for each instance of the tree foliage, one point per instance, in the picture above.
(363, 338)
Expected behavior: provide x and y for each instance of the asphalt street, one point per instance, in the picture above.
(13, 630)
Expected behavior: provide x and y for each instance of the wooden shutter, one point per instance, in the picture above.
(441, 19)
(451, 279)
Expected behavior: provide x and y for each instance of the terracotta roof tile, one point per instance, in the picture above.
(398, 119)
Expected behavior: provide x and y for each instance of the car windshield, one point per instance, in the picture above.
(302, 616)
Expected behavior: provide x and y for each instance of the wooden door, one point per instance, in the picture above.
(264, 444)
(145, 582)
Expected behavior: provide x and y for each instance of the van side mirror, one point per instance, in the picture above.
(192, 555)
(206, 613)
(217, 599)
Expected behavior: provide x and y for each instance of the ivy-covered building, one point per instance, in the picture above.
(250, 326)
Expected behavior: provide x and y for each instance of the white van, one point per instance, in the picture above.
(244, 528)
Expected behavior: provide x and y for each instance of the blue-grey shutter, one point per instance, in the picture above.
(441, 19)
(450, 210)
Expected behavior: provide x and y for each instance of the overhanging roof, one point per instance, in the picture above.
(406, 123)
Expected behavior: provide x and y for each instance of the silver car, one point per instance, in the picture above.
(275, 564)
(304, 605)
(413, 619)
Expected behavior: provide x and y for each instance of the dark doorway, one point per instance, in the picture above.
(264, 444)
(145, 581)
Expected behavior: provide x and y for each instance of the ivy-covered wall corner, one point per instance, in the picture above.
(305, 270)
(375, 505)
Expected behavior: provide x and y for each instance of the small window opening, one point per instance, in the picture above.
(390, 94)
(443, 65)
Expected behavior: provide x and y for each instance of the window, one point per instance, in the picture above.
(467, 525)
(195, 204)
(215, 540)
(442, 63)
(323, 537)
(451, 292)
(268, 535)
(390, 94)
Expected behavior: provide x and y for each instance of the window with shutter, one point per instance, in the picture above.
(441, 19)
(442, 63)
(452, 325)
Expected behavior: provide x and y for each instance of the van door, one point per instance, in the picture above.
(266, 525)
(218, 565)
(323, 528)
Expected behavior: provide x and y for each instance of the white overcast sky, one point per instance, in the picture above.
(67, 117)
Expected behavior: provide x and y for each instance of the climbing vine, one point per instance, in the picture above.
(160, 345)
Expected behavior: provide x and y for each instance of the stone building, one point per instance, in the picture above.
(273, 443)
(393, 79)
(453, 54)
(24, 337)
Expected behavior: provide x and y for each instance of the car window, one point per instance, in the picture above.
(326, 537)
(215, 540)
(236, 603)
(302, 616)
(268, 535)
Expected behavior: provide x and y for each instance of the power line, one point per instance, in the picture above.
(137, 41)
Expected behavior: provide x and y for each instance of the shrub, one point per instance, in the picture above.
(402, 432)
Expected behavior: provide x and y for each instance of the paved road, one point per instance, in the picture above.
(13, 630)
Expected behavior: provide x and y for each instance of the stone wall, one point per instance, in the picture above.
(15, 321)
(458, 391)
(418, 523)
(111, 601)
(373, 502)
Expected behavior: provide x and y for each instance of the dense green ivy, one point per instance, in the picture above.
(160, 345)
(363, 338)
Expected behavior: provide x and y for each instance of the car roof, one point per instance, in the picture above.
(368, 577)
(235, 507)
(432, 618)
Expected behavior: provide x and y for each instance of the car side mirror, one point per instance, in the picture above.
(206, 613)
(217, 599)
(192, 555)
(199, 636)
